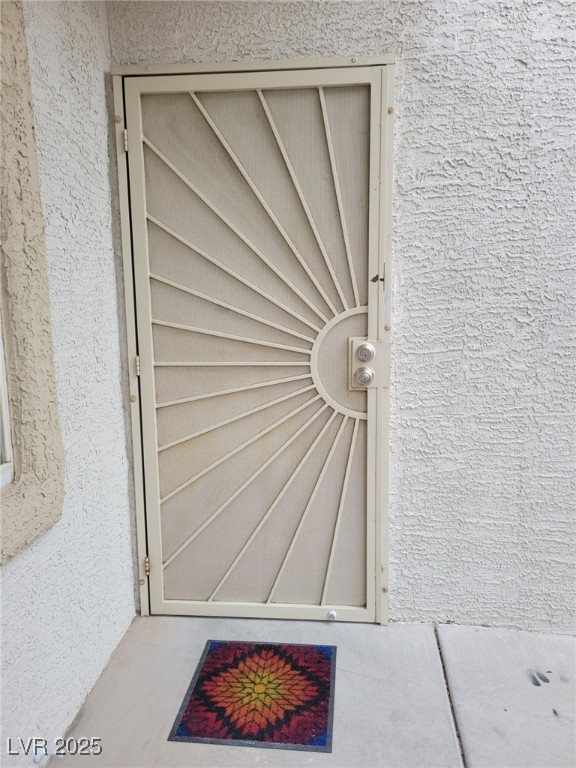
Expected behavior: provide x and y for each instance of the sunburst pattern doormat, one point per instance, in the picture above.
(260, 695)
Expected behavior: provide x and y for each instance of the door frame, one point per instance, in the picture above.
(380, 252)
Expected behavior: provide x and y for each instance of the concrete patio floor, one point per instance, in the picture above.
(406, 695)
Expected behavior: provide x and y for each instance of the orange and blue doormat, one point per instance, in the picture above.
(260, 695)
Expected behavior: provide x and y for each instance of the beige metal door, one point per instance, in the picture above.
(259, 255)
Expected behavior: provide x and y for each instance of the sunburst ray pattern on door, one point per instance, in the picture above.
(257, 233)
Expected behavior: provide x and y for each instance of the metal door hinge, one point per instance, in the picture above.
(125, 138)
(147, 566)
(137, 361)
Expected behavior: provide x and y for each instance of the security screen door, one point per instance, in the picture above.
(259, 258)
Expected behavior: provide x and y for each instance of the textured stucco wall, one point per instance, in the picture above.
(483, 397)
(32, 503)
(68, 598)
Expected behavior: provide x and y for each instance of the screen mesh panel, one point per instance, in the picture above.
(180, 462)
(297, 114)
(271, 544)
(188, 509)
(221, 542)
(348, 112)
(242, 120)
(179, 383)
(306, 569)
(188, 418)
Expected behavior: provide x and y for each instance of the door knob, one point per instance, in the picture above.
(365, 352)
(364, 376)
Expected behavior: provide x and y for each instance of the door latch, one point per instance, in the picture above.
(364, 376)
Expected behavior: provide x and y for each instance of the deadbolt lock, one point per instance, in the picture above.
(365, 352)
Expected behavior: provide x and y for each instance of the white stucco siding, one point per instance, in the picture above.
(68, 598)
(483, 431)
(483, 402)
